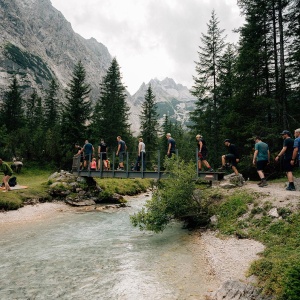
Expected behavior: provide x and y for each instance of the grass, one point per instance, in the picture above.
(124, 186)
(36, 179)
(278, 268)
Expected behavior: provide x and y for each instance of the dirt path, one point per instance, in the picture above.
(277, 194)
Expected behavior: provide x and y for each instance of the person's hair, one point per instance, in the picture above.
(257, 138)
(140, 139)
(198, 136)
(168, 134)
(118, 137)
(297, 130)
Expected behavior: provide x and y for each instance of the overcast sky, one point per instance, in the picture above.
(151, 38)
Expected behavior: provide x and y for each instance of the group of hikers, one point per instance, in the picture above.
(261, 158)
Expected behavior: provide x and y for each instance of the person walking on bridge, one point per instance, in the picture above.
(141, 158)
(171, 145)
(121, 152)
(202, 153)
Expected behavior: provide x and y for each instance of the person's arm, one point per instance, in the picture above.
(200, 146)
(139, 149)
(119, 146)
(99, 150)
(169, 147)
(280, 153)
(294, 155)
(255, 156)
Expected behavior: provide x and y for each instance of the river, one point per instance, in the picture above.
(100, 255)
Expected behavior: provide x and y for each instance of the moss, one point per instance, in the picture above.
(27, 60)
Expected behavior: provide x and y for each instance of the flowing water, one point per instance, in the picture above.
(99, 255)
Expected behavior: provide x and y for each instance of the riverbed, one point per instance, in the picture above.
(71, 254)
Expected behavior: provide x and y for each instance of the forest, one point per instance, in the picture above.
(243, 90)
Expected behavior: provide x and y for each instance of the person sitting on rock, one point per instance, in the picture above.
(5, 168)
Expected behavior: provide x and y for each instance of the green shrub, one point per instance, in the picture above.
(291, 283)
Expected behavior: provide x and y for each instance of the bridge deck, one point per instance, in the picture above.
(209, 176)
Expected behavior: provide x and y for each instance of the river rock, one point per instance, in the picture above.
(87, 202)
(273, 213)
(236, 290)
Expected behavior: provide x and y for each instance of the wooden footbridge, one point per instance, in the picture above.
(129, 172)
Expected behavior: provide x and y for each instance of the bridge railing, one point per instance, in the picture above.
(149, 161)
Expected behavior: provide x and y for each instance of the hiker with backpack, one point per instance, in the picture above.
(5, 168)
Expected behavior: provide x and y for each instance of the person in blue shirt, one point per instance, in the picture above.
(261, 158)
(296, 153)
(87, 150)
(171, 145)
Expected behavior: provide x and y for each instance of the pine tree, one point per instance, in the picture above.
(205, 117)
(77, 109)
(51, 106)
(12, 109)
(149, 121)
(110, 118)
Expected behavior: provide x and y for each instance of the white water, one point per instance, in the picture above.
(99, 255)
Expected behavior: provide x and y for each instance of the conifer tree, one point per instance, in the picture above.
(51, 106)
(33, 133)
(77, 109)
(205, 117)
(110, 118)
(12, 108)
(149, 121)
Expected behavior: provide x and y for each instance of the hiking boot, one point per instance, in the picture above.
(259, 183)
(291, 188)
(210, 170)
(223, 168)
(263, 183)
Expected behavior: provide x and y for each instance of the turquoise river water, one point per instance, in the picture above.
(100, 255)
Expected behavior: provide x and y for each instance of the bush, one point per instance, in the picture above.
(174, 198)
(291, 285)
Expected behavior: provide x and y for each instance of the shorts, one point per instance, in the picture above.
(230, 158)
(261, 164)
(287, 167)
(202, 155)
(88, 157)
(121, 156)
(103, 155)
(171, 153)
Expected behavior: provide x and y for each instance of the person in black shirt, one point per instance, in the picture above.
(102, 155)
(231, 158)
(287, 152)
(202, 153)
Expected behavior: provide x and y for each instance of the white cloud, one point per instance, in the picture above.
(150, 38)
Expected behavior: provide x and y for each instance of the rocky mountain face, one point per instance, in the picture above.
(174, 100)
(37, 44)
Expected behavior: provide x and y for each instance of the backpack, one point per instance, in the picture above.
(12, 181)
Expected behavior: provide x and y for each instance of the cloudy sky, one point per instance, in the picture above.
(151, 38)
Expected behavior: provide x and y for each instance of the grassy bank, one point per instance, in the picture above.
(242, 214)
(37, 181)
